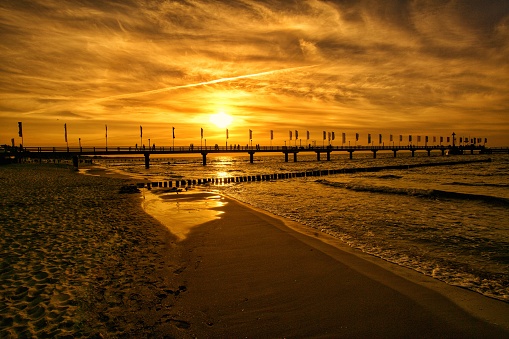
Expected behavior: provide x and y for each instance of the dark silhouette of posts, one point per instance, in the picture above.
(204, 158)
(147, 160)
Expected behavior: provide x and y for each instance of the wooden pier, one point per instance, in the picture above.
(76, 152)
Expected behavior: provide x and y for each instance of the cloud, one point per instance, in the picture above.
(391, 64)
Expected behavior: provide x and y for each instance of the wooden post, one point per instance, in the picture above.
(147, 160)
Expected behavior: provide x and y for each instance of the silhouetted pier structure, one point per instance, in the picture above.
(76, 152)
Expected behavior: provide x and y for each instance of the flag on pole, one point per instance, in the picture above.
(434, 139)
(324, 135)
(400, 138)
(369, 139)
(343, 138)
(201, 132)
(356, 136)
(65, 132)
(296, 134)
(333, 136)
(448, 139)
(173, 132)
(20, 129)
(250, 135)
(441, 139)
(427, 138)
(418, 138)
(379, 138)
(106, 130)
(409, 138)
(390, 138)
(307, 135)
(271, 135)
(461, 140)
(227, 133)
(141, 132)
(485, 140)
(290, 135)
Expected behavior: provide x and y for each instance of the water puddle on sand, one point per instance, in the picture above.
(184, 211)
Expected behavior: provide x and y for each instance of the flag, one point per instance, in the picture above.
(307, 135)
(141, 132)
(12, 142)
(369, 138)
(329, 135)
(441, 139)
(461, 140)
(356, 136)
(324, 135)
(333, 136)
(296, 134)
(20, 129)
(418, 138)
(426, 138)
(434, 139)
(448, 139)
(227, 133)
(202, 133)
(400, 138)
(290, 135)
(106, 130)
(173, 132)
(271, 135)
(379, 138)
(250, 135)
(485, 140)
(65, 132)
(409, 138)
(343, 138)
(390, 138)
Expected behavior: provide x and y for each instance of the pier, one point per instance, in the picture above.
(76, 152)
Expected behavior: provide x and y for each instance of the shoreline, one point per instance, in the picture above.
(110, 269)
(483, 307)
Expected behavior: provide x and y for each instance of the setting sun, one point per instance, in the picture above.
(221, 119)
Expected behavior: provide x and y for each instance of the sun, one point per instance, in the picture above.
(221, 119)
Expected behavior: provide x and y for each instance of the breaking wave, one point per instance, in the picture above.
(422, 193)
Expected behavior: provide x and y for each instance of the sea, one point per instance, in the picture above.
(446, 220)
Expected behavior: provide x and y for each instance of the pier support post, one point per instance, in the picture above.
(251, 156)
(443, 151)
(395, 151)
(413, 153)
(374, 153)
(351, 154)
(147, 160)
(328, 156)
(295, 157)
(75, 162)
(429, 152)
(204, 158)
(286, 156)
(317, 156)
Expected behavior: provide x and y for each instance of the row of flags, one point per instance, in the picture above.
(326, 136)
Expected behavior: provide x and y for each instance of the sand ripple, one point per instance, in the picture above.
(78, 259)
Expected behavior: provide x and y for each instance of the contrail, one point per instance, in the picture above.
(155, 91)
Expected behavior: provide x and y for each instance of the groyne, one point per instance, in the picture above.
(186, 183)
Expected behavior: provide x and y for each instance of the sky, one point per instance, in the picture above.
(421, 68)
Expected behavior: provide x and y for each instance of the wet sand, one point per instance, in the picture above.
(80, 259)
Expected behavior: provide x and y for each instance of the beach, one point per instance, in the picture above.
(80, 259)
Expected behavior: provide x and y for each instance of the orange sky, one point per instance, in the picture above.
(392, 67)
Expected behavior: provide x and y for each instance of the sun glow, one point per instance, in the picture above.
(221, 119)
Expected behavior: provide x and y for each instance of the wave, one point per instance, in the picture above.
(477, 184)
(415, 192)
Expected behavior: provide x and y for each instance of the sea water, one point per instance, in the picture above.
(450, 222)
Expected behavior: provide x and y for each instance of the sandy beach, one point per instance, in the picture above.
(80, 259)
